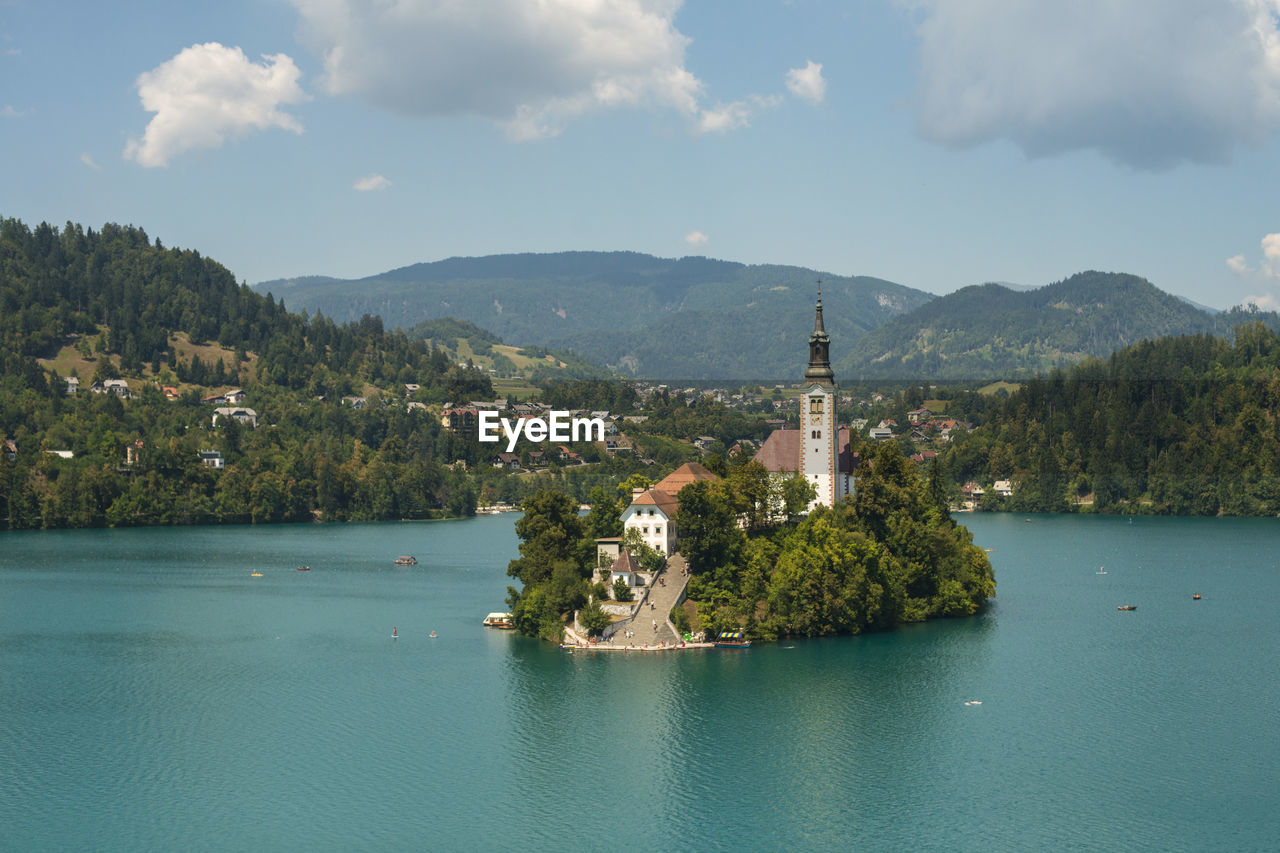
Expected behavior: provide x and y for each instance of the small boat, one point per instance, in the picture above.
(1196, 597)
(304, 568)
(499, 620)
(732, 640)
(406, 560)
(432, 635)
(259, 574)
(1102, 570)
(395, 634)
(1127, 607)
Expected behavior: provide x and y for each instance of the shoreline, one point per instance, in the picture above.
(648, 647)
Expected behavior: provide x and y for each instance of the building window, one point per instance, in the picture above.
(815, 405)
(644, 529)
(817, 434)
(657, 530)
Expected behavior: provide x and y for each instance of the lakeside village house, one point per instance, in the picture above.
(819, 451)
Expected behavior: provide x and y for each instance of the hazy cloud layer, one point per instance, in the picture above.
(807, 83)
(209, 93)
(1148, 83)
(533, 67)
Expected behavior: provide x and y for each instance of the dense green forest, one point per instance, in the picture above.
(1184, 425)
(889, 555)
(112, 303)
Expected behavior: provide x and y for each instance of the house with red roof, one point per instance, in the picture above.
(653, 511)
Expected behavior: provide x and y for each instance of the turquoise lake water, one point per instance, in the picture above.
(155, 696)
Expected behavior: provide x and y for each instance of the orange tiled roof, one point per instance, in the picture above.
(656, 497)
(689, 472)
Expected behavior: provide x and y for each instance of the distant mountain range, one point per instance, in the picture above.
(698, 318)
(687, 318)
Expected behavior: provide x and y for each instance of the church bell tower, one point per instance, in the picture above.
(819, 438)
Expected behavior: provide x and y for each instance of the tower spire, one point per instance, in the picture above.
(819, 369)
(817, 320)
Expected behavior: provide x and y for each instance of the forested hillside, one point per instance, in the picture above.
(1185, 425)
(990, 332)
(691, 318)
(465, 341)
(112, 304)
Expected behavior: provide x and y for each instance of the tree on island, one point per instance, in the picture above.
(593, 619)
(890, 554)
(622, 590)
(554, 565)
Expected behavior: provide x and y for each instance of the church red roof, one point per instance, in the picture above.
(689, 472)
(780, 452)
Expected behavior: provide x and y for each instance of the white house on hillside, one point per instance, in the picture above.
(653, 511)
(239, 413)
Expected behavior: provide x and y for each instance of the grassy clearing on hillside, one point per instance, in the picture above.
(209, 353)
(522, 361)
(68, 361)
(514, 388)
(1009, 387)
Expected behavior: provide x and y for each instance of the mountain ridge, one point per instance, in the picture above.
(692, 317)
(987, 330)
(699, 318)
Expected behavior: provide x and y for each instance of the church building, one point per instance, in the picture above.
(819, 451)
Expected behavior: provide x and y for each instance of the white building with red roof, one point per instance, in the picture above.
(653, 511)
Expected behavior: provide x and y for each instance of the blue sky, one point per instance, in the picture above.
(935, 143)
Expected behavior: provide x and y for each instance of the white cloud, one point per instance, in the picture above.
(532, 67)
(1271, 255)
(209, 93)
(1265, 302)
(10, 112)
(807, 83)
(726, 117)
(373, 182)
(695, 238)
(1148, 83)
(1266, 275)
(88, 161)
